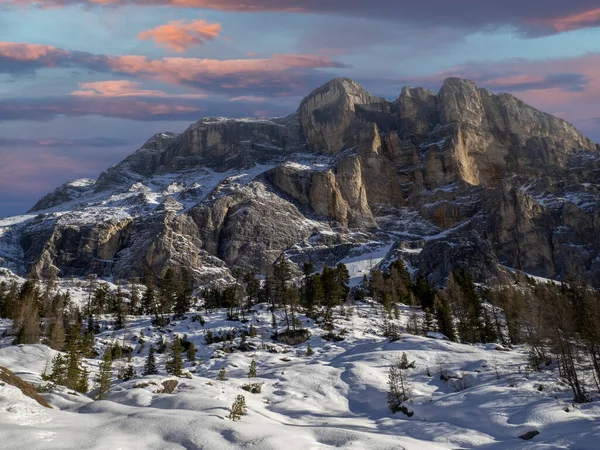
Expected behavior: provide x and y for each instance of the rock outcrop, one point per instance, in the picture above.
(8, 377)
(476, 180)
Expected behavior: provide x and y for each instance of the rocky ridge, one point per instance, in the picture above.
(461, 178)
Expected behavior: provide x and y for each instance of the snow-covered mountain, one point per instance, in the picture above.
(459, 179)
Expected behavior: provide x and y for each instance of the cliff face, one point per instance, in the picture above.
(461, 178)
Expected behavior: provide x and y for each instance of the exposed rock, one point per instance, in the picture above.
(63, 194)
(169, 386)
(8, 377)
(529, 435)
(477, 180)
(329, 113)
(293, 337)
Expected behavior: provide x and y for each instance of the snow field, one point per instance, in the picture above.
(333, 399)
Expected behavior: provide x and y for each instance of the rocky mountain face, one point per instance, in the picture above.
(459, 179)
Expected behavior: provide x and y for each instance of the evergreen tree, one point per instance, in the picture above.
(149, 301)
(312, 293)
(398, 391)
(443, 315)
(168, 292)
(424, 292)
(222, 375)
(104, 378)
(74, 348)
(333, 291)
(58, 373)
(238, 409)
(150, 363)
(102, 299)
(183, 303)
(129, 373)
(428, 322)
(82, 383)
(462, 296)
(309, 350)
(252, 370)
(135, 301)
(119, 309)
(191, 353)
(174, 364)
(252, 289)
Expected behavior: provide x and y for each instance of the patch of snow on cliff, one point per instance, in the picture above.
(364, 259)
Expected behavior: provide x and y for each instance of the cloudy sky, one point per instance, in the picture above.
(84, 83)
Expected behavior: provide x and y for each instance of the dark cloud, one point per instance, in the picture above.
(530, 17)
(93, 142)
(134, 108)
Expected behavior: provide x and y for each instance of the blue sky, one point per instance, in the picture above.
(84, 83)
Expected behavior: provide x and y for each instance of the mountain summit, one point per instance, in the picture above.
(459, 179)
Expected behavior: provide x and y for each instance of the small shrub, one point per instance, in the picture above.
(404, 364)
(222, 374)
(160, 322)
(198, 318)
(253, 388)
(331, 336)
(238, 408)
(309, 350)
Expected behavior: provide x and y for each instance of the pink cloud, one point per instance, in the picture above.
(31, 52)
(19, 172)
(249, 99)
(178, 36)
(571, 22)
(280, 70)
(124, 88)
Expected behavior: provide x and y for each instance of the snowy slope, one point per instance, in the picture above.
(333, 399)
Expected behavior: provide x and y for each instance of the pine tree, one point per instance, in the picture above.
(333, 291)
(134, 300)
(167, 293)
(238, 408)
(129, 373)
(150, 364)
(149, 301)
(428, 322)
(58, 373)
(82, 383)
(403, 361)
(397, 390)
(104, 378)
(191, 353)
(443, 315)
(309, 350)
(252, 370)
(222, 375)
(252, 330)
(74, 350)
(252, 289)
(174, 364)
(119, 309)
